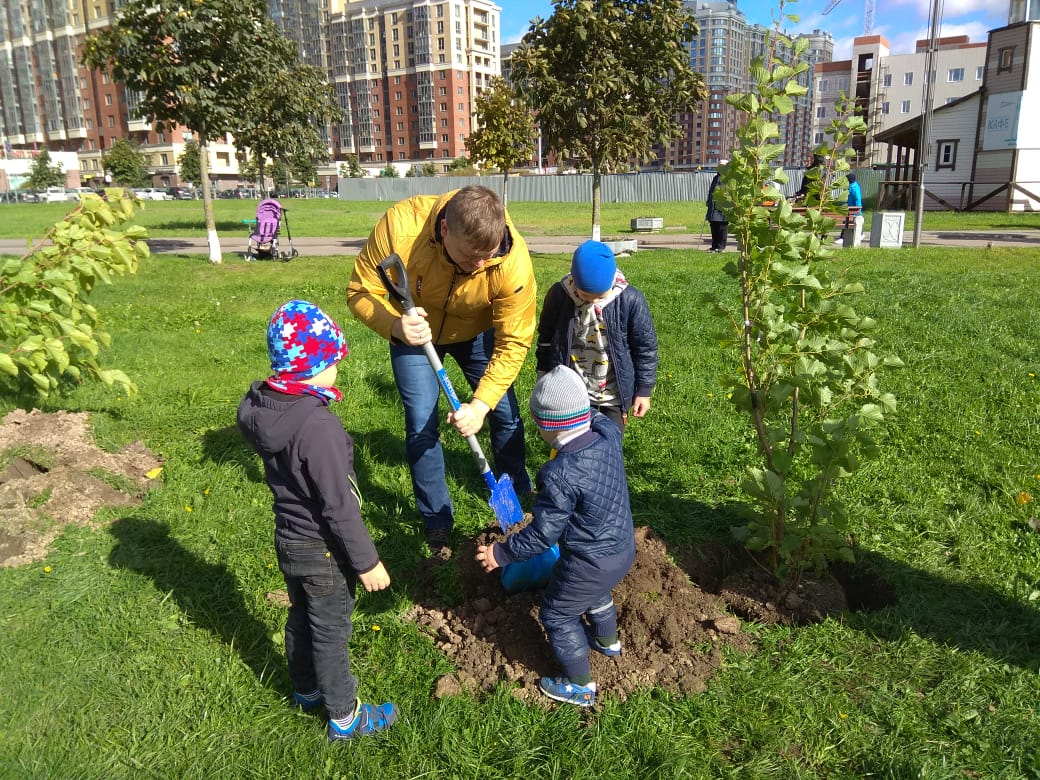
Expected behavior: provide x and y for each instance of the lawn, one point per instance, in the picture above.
(346, 218)
(145, 645)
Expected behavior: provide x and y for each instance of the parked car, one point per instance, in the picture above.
(76, 192)
(180, 193)
(151, 193)
(54, 195)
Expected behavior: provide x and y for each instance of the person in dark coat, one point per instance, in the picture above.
(322, 544)
(716, 219)
(595, 322)
(583, 506)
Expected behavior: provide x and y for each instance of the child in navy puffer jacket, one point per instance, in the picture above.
(582, 505)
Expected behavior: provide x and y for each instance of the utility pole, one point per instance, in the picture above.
(926, 115)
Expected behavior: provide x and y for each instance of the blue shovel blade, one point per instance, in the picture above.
(504, 502)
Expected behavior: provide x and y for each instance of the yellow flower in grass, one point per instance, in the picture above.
(47, 570)
(376, 627)
(187, 508)
(1024, 498)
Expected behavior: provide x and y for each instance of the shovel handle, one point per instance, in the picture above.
(395, 278)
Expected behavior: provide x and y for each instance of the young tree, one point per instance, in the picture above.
(284, 111)
(193, 64)
(352, 168)
(462, 166)
(607, 78)
(190, 164)
(126, 164)
(49, 332)
(806, 374)
(389, 172)
(303, 168)
(505, 130)
(43, 175)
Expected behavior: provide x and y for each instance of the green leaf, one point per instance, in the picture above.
(7, 365)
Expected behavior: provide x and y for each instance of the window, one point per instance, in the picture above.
(955, 74)
(885, 107)
(821, 112)
(108, 100)
(908, 79)
(904, 107)
(1005, 58)
(818, 138)
(887, 80)
(978, 72)
(824, 83)
(946, 154)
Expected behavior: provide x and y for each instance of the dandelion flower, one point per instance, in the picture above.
(187, 509)
(1024, 498)
(375, 628)
(47, 570)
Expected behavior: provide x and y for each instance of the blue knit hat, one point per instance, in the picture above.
(560, 401)
(303, 341)
(593, 267)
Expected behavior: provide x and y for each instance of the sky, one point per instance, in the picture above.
(901, 22)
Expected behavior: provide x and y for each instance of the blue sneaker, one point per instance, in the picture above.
(370, 719)
(611, 651)
(308, 702)
(562, 689)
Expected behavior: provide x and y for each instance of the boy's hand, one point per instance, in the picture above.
(375, 579)
(486, 557)
(640, 406)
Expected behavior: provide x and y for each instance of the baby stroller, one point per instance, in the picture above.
(263, 241)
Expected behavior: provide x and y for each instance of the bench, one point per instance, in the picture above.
(850, 224)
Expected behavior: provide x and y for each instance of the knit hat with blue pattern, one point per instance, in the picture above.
(560, 401)
(303, 341)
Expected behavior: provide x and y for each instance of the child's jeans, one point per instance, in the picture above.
(321, 595)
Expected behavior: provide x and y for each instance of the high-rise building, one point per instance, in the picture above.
(723, 52)
(49, 101)
(888, 89)
(407, 74)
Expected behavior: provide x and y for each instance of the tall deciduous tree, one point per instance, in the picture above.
(126, 164)
(286, 109)
(505, 130)
(607, 79)
(43, 174)
(194, 64)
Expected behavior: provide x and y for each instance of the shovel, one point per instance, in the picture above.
(518, 576)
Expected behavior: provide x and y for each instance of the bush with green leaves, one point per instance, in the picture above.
(808, 371)
(49, 332)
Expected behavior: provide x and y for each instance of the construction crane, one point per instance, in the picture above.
(868, 14)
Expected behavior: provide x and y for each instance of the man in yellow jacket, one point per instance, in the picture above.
(471, 278)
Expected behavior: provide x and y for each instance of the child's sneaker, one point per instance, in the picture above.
(562, 689)
(370, 719)
(308, 702)
(611, 651)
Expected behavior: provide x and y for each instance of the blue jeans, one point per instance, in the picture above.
(420, 393)
(321, 590)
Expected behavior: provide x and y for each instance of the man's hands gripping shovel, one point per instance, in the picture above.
(467, 420)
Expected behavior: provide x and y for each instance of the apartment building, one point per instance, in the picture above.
(888, 89)
(723, 53)
(407, 74)
(48, 101)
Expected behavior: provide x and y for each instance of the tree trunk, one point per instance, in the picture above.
(505, 187)
(215, 255)
(596, 180)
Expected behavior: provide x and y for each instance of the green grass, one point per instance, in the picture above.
(329, 218)
(149, 648)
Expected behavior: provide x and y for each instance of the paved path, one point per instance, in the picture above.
(980, 239)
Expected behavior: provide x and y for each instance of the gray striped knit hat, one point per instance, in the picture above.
(560, 401)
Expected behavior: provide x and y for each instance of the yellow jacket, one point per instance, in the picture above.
(459, 306)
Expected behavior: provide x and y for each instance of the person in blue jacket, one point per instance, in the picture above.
(583, 506)
(855, 193)
(598, 324)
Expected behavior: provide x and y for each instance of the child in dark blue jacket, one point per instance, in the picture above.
(596, 323)
(322, 544)
(582, 505)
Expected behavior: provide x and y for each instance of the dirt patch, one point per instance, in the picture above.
(675, 618)
(53, 475)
